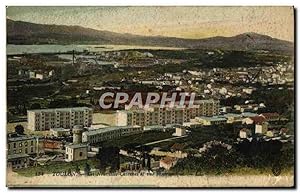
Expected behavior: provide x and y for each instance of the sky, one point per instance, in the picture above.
(185, 22)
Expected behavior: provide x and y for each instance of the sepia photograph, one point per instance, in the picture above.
(150, 97)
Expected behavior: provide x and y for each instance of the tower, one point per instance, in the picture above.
(77, 134)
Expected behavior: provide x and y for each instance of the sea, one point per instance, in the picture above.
(12, 49)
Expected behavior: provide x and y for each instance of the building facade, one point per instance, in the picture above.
(19, 150)
(155, 115)
(60, 132)
(214, 120)
(261, 128)
(98, 135)
(17, 161)
(76, 152)
(180, 131)
(46, 119)
(22, 145)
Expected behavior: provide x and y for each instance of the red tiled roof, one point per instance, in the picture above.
(284, 130)
(245, 129)
(270, 115)
(258, 119)
(168, 160)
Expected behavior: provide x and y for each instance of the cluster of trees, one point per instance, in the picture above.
(19, 129)
(224, 132)
(216, 160)
(255, 154)
(86, 169)
(109, 157)
(280, 101)
(60, 103)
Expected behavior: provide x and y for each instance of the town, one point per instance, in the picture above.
(244, 99)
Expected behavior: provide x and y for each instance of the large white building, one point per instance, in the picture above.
(21, 145)
(46, 119)
(155, 115)
(98, 135)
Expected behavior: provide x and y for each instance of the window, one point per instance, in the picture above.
(26, 151)
(14, 145)
(20, 151)
(26, 143)
(31, 142)
(31, 149)
(80, 154)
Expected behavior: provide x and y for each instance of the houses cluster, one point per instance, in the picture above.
(36, 74)
(227, 118)
(261, 125)
(281, 73)
(224, 82)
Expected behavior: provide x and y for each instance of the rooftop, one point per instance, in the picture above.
(178, 146)
(168, 160)
(21, 138)
(269, 115)
(214, 118)
(59, 129)
(258, 119)
(75, 146)
(108, 129)
(61, 109)
(248, 114)
(232, 115)
(177, 106)
(16, 156)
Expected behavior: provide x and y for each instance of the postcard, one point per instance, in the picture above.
(150, 97)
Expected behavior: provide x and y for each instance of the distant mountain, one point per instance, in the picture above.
(19, 32)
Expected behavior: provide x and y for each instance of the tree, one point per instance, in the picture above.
(148, 163)
(87, 169)
(77, 169)
(19, 129)
(24, 109)
(144, 161)
(109, 156)
(215, 158)
(35, 106)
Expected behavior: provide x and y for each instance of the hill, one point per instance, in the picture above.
(19, 32)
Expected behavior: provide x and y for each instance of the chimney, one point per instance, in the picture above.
(73, 57)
